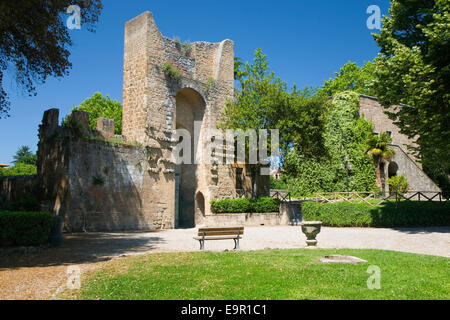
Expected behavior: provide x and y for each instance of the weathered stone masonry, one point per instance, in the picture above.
(97, 185)
(404, 162)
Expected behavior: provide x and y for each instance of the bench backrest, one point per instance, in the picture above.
(228, 231)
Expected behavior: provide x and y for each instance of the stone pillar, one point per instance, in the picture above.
(105, 127)
(81, 119)
(49, 122)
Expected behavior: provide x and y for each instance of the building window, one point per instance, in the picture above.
(239, 180)
(389, 134)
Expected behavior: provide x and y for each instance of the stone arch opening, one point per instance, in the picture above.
(190, 109)
(392, 169)
(199, 207)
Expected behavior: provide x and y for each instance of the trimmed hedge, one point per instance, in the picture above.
(406, 214)
(25, 228)
(244, 205)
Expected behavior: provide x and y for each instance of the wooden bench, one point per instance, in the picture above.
(228, 233)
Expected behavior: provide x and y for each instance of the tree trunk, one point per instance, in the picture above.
(378, 174)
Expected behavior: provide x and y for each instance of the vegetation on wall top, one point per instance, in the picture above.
(99, 106)
(171, 69)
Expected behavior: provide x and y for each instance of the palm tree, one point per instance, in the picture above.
(22, 155)
(378, 150)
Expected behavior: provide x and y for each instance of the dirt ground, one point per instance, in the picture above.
(38, 276)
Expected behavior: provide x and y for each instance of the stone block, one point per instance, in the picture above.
(105, 127)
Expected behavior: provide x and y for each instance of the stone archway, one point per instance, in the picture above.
(392, 169)
(199, 207)
(190, 108)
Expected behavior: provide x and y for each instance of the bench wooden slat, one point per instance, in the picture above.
(219, 233)
(219, 237)
(221, 229)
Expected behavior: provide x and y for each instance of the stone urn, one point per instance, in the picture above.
(311, 229)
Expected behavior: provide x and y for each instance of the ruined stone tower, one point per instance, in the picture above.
(156, 103)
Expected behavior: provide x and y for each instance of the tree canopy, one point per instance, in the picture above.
(262, 101)
(102, 106)
(34, 40)
(413, 69)
(24, 155)
(24, 163)
(351, 78)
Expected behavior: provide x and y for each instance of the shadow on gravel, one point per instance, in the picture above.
(80, 248)
(423, 230)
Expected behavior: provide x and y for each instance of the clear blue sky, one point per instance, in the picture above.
(305, 41)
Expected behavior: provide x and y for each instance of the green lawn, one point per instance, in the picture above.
(271, 274)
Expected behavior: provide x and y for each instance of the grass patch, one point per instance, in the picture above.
(271, 274)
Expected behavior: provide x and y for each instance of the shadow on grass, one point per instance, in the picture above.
(80, 248)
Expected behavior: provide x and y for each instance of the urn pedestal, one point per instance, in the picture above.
(311, 229)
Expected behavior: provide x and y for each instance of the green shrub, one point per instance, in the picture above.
(29, 204)
(25, 228)
(278, 184)
(171, 69)
(20, 169)
(398, 184)
(244, 205)
(187, 47)
(266, 204)
(405, 214)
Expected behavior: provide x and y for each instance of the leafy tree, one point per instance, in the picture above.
(25, 156)
(350, 78)
(413, 69)
(99, 106)
(344, 137)
(378, 150)
(258, 93)
(262, 103)
(34, 40)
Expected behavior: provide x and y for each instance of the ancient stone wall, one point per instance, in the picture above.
(98, 185)
(404, 162)
(14, 189)
(372, 111)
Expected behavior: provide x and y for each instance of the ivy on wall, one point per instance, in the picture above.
(345, 135)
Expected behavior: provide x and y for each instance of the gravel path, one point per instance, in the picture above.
(37, 276)
(432, 241)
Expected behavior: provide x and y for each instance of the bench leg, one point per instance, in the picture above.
(236, 244)
(202, 245)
